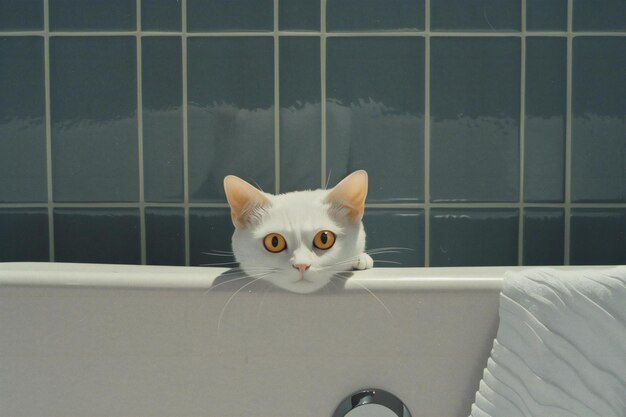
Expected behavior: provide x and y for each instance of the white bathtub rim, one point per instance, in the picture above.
(149, 276)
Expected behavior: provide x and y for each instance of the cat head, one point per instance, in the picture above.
(297, 241)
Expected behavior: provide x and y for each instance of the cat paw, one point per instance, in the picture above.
(364, 262)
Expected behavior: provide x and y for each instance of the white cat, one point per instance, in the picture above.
(297, 241)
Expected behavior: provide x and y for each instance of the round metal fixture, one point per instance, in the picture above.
(372, 403)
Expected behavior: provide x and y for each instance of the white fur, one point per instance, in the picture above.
(298, 217)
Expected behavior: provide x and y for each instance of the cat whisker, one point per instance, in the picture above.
(223, 283)
(235, 279)
(238, 270)
(267, 289)
(392, 248)
(354, 259)
(390, 314)
(387, 262)
(219, 319)
(257, 185)
(220, 263)
(328, 179)
(216, 254)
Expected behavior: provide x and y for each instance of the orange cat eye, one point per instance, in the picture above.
(324, 239)
(274, 243)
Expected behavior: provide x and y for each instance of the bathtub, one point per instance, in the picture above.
(121, 340)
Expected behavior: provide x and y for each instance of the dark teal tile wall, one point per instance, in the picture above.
(231, 15)
(21, 15)
(598, 129)
(161, 15)
(395, 237)
(546, 15)
(109, 15)
(543, 236)
(22, 121)
(97, 235)
(375, 102)
(231, 113)
(474, 237)
(544, 147)
(299, 15)
(475, 101)
(604, 15)
(598, 236)
(210, 232)
(475, 15)
(377, 15)
(162, 91)
(300, 114)
(165, 236)
(93, 85)
(119, 120)
(24, 235)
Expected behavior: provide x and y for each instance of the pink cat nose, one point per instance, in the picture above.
(301, 267)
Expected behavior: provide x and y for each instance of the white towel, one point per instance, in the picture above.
(561, 346)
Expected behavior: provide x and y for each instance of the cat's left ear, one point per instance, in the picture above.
(350, 194)
(244, 200)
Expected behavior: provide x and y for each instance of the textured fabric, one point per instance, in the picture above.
(560, 348)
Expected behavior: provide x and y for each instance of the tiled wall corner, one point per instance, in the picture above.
(492, 131)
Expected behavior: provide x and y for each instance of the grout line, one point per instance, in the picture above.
(427, 135)
(315, 33)
(48, 121)
(568, 139)
(323, 89)
(522, 139)
(447, 205)
(185, 132)
(276, 102)
(142, 199)
(113, 205)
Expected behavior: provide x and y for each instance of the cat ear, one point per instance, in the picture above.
(244, 200)
(350, 194)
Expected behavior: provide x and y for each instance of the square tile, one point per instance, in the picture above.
(22, 120)
(544, 150)
(94, 235)
(165, 236)
(604, 15)
(598, 129)
(210, 233)
(16, 15)
(475, 15)
(24, 235)
(161, 15)
(299, 15)
(162, 118)
(475, 110)
(300, 114)
(73, 15)
(473, 237)
(598, 237)
(544, 231)
(231, 15)
(384, 15)
(375, 114)
(399, 232)
(546, 15)
(93, 83)
(231, 113)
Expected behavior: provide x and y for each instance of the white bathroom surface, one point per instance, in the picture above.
(112, 340)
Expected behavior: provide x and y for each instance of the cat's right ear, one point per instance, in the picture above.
(244, 200)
